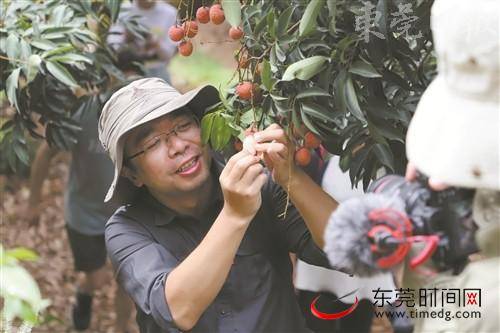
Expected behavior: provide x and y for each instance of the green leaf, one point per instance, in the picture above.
(223, 99)
(248, 118)
(11, 83)
(311, 44)
(25, 49)
(339, 91)
(317, 111)
(21, 153)
(206, 127)
(352, 100)
(260, 26)
(308, 21)
(114, 7)
(64, 48)
(232, 11)
(271, 25)
(304, 69)
(28, 314)
(278, 97)
(18, 285)
(280, 53)
(22, 253)
(71, 58)
(308, 122)
(12, 46)
(312, 92)
(267, 80)
(385, 156)
(34, 62)
(61, 73)
(58, 15)
(381, 24)
(221, 133)
(376, 135)
(332, 7)
(391, 133)
(332, 11)
(284, 21)
(43, 44)
(364, 69)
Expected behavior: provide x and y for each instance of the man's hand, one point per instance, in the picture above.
(277, 152)
(241, 182)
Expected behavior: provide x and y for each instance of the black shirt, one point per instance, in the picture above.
(146, 241)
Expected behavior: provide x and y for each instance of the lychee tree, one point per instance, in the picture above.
(54, 62)
(348, 73)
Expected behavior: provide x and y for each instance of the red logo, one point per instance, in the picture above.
(471, 298)
(335, 315)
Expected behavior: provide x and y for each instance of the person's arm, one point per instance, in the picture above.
(38, 173)
(313, 203)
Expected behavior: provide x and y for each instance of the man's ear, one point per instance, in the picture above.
(131, 175)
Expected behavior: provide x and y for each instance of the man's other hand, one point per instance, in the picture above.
(241, 182)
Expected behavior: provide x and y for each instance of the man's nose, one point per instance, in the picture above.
(176, 145)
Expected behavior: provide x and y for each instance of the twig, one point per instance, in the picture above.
(11, 59)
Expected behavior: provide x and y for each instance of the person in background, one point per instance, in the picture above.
(157, 49)
(311, 280)
(85, 212)
(453, 139)
(85, 215)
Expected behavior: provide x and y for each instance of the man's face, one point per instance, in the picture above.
(167, 163)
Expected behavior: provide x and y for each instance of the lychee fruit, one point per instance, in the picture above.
(311, 141)
(235, 33)
(245, 90)
(186, 48)
(190, 28)
(175, 33)
(216, 14)
(303, 157)
(238, 145)
(203, 15)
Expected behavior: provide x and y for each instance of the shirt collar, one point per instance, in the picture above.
(164, 215)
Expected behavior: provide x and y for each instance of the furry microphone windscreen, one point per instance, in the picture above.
(346, 241)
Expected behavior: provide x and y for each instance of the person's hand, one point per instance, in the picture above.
(411, 175)
(31, 213)
(129, 37)
(277, 153)
(152, 45)
(241, 181)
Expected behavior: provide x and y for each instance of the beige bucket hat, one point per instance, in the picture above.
(454, 136)
(137, 103)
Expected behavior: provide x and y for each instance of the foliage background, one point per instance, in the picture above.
(314, 68)
(54, 62)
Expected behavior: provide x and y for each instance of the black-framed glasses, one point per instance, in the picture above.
(184, 130)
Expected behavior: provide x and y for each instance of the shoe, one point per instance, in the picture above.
(82, 311)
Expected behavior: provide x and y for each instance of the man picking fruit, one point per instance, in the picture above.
(203, 245)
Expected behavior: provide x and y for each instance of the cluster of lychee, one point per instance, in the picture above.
(187, 30)
(247, 90)
(302, 155)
